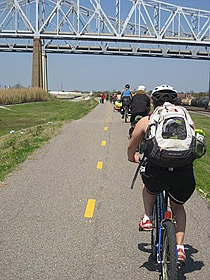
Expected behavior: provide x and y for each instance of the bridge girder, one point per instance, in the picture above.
(128, 27)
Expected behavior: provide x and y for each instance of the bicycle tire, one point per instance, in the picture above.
(155, 231)
(126, 115)
(169, 254)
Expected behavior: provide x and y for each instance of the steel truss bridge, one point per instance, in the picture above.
(105, 27)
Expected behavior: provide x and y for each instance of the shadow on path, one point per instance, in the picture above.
(150, 265)
(189, 266)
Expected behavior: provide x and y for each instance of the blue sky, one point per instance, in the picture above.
(89, 72)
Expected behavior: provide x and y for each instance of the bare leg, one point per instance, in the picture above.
(180, 216)
(148, 201)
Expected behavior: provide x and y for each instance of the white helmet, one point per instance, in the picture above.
(164, 93)
(143, 88)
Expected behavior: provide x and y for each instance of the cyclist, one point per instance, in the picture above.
(140, 104)
(126, 98)
(156, 178)
(114, 97)
(110, 98)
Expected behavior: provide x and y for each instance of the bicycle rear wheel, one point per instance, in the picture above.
(126, 114)
(155, 231)
(157, 214)
(169, 256)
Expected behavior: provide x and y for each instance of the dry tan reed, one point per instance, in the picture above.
(22, 95)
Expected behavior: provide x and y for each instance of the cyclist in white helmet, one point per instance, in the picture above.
(140, 103)
(155, 178)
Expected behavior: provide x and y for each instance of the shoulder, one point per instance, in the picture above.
(143, 123)
(146, 97)
(137, 96)
(144, 120)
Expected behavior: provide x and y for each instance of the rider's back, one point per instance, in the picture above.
(126, 93)
(140, 103)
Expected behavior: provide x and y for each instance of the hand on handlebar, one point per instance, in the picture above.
(136, 158)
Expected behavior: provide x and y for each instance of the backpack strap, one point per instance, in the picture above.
(155, 115)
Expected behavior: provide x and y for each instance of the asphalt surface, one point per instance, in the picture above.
(43, 231)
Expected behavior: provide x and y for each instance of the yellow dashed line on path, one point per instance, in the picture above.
(99, 164)
(109, 115)
(103, 143)
(90, 208)
(91, 202)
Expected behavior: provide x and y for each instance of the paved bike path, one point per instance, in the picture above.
(43, 231)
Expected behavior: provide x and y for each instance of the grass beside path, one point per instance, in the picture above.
(202, 165)
(16, 117)
(33, 124)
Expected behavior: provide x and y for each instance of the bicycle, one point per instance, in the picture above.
(126, 111)
(163, 238)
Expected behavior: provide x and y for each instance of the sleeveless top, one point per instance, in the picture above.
(126, 93)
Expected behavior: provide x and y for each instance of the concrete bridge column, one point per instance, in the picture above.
(37, 76)
(44, 71)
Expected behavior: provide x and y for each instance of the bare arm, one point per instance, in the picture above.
(136, 138)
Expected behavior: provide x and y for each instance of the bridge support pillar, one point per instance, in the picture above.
(44, 71)
(37, 76)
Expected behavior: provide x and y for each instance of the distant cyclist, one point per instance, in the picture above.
(140, 104)
(126, 98)
(114, 97)
(156, 178)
